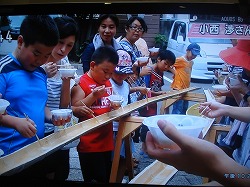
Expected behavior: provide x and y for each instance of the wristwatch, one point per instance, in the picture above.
(246, 96)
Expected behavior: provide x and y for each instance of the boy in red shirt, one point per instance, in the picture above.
(95, 148)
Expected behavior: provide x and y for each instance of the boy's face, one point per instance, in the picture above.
(102, 72)
(190, 56)
(163, 65)
(63, 47)
(119, 78)
(32, 56)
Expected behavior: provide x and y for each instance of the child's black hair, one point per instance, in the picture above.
(67, 26)
(105, 53)
(167, 55)
(39, 29)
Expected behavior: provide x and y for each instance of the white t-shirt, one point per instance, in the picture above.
(122, 90)
(54, 85)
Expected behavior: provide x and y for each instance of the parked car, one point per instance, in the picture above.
(209, 60)
(10, 29)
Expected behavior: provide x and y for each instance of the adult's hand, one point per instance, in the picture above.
(212, 109)
(240, 87)
(194, 155)
(197, 156)
(50, 69)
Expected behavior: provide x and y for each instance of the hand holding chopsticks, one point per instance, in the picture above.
(27, 117)
(91, 113)
(213, 109)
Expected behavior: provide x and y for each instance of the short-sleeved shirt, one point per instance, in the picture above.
(101, 139)
(132, 49)
(27, 93)
(182, 77)
(122, 90)
(155, 84)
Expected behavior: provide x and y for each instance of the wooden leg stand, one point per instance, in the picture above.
(129, 157)
(116, 159)
(126, 126)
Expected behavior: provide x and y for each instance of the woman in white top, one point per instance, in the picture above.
(57, 164)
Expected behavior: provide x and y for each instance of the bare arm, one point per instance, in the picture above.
(48, 115)
(196, 156)
(26, 127)
(77, 95)
(216, 109)
(65, 93)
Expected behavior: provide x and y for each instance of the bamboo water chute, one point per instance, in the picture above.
(36, 151)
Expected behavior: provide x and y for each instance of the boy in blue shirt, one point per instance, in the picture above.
(23, 83)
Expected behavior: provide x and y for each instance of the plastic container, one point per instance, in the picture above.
(67, 72)
(60, 117)
(189, 125)
(219, 87)
(154, 49)
(3, 105)
(116, 101)
(142, 59)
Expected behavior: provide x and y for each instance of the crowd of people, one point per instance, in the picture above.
(30, 81)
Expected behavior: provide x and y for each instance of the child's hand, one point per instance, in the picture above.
(50, 69)
(162, 92)
(142, 90)
(115, 104)
(26, 127)
(99, 91)
(80, 111)
(153, 54)
(145, 71)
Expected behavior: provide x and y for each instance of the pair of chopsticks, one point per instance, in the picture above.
(92, 113)
(203, 111)
(27, 117)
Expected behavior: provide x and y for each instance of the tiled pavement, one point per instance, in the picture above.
(180, 178)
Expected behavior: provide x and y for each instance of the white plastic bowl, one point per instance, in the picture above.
(116, 101)
(186, 124)
(154, 49)
(3, 105)
(62, 114)
(1, 152)
(142, 59)
(67, 72)
(219, 87)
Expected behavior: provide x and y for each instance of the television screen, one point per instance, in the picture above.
(171, 26)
